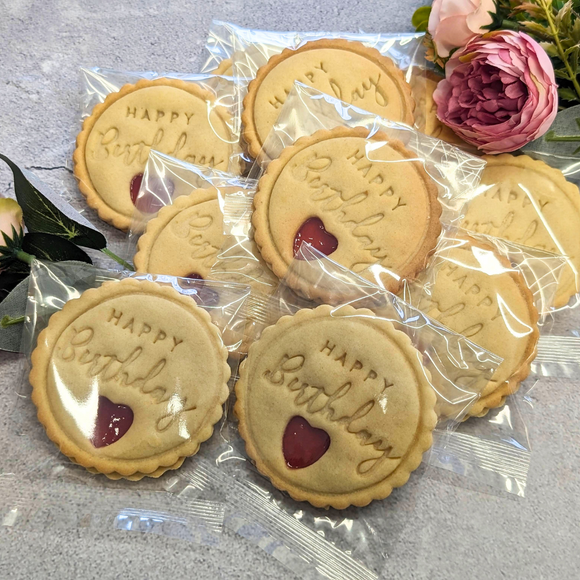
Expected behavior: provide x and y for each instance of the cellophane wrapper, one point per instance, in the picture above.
(354, 542)
(42, 489)
(495, 448)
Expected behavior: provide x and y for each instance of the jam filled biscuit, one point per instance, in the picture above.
(184, 239)
(347, 70)
(129, 379)
(478, 294)
(171, 116)
(364, 202)
(335, 407)
(526, 201)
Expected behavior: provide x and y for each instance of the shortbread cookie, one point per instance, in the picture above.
(130, 378)
(335, 407)
(325, 190)
(346, 70)
(528, 202)
(477, 293)
(172, 116)
(184, 238)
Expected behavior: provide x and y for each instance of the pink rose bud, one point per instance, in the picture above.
(453, 23)
(10, 217)
(499, 92)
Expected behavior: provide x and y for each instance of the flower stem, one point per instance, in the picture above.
(125, 265)
(24, 256)
(547, 7)
(9, 321)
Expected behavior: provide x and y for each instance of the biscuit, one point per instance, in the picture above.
(526, 201)
(335, 406)
(346, 70)
(477, 293)
(129, 378)
(184, 238)
(171, 116)
(325, 189)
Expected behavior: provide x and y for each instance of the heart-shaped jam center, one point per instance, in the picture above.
(303, 444)
(313, 232)
(152, 198)
(113, 421)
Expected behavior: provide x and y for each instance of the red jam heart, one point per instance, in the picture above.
(303, 444)
(313, 232)
(156, 195)
(113, 421)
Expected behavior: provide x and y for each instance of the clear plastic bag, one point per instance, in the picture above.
(207, 234)
(116, 357)
(351, 542)
(534, 200)
(399, 185)
(499, 295)
(126, 114)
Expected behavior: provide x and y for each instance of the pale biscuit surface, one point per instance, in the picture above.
(528, 202)
(139, 345)
(356, 378)
(346, 70)
(371, 195)
(171, 116)
(478, 294)
(184, 238)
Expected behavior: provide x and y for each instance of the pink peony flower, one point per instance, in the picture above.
(499, 92)
(452, 23)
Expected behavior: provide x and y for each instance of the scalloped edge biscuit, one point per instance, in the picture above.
(81, 172)
(41, 358)
(250, 133)
(268, 180)
(157, 224)
(423, 436)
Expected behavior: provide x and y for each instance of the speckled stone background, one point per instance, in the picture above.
(454, 531)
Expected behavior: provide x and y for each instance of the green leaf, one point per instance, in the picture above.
(42, 216)
(536, 29)
(567, 94)
(550, 48)
(420, 18)
(561, 73)
(52, 248)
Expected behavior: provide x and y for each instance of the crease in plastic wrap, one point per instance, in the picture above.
(353, 542)
(127, 365)
(498, 294)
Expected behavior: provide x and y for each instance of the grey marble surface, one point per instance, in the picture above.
(454, 531)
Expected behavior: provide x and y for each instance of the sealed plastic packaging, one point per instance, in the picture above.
(375, 71)
(336, 406)
(198, 226)
(370, 193)
(126, 114)
(536, 203)
(499, 295)
(129, 374)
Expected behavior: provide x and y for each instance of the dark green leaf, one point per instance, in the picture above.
(52, 248)
(420, 18)
(8, 280)
(567, 94)
(42, 216)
